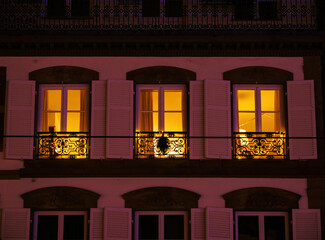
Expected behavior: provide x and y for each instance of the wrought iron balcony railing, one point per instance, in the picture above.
(259, 145)
(161, 145)
(62, 145)
(135, 15)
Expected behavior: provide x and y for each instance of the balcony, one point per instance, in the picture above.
(144, 15)
(259, 145)
(62, 145)
(161, 145)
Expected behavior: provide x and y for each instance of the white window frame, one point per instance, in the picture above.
(161, 88)
(60, 215)
(160, 215)
(257, 88)
(64, 88)
(261, 216)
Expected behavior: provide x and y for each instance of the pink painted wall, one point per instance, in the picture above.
(210, 189)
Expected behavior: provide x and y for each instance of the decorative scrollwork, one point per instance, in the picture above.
(194, 15)
(56, 145)
(161, 144)
(251, 145)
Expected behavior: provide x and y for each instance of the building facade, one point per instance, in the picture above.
(174, 119)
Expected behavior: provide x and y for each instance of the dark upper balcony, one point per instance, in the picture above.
(156, 15)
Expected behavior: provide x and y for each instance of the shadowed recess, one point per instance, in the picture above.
(60, 198)
(161, 198)
(64, 75)
(262, 199)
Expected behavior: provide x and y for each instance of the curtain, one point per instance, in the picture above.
(146, 111)
(45, 127)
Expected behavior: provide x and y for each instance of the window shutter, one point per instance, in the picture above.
(217, 108)
(196, 119)
(15, 224)
(198, 224)
(119, 119)
(219, 223)
(96, 230)
(117, 224)
(301, 118)
(98, 121)
(306, 224)
(20, 119)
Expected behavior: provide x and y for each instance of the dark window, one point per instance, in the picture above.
(244, 9)
(73, 227)
(174, 226)
(267, 10)
(47, 227)
(150, 8)
(148, 227)
(173, 8)
(2, 103)
(274, 227)
(248, 227)
(80, 8)
(56, 8)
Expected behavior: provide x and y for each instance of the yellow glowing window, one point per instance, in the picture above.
(160, 108)
(63, 108)
(258, 108)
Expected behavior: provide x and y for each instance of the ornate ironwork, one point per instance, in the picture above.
(62, 145)
(116, 15)
(259, 145)
(161, 145)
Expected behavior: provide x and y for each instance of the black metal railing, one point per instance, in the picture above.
(161, 145)
(62, 145)
(135, 15)
(259, 145)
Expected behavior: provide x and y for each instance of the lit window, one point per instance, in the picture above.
(262, 225)
(160, 113)
(161, 225)
(60, 225)
(258, 121)
(63, 114)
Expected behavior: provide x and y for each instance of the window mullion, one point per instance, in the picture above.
(261, 227)
(60, 227)
(161, 226)
(258, 113)
(161, 109)
(64, 109)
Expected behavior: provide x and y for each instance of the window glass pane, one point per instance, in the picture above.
(274, 227)
(74, 121)
(52, 100)
(51, 119)
(246, 122)
(148, 227)
(47, 227)
(150, 8)
(73, 228)
(270, 100)
(174, 226)
(74, 100)
(270, 122)
(149, 121)
(248, 228)
(246, 100)
(148, 100)
(149, 110)
(173, 121)
(173, 100)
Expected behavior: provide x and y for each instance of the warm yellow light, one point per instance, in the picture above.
(174, 122)
(173, 100)
(52, 100)
(74, 100)
(246, 100)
